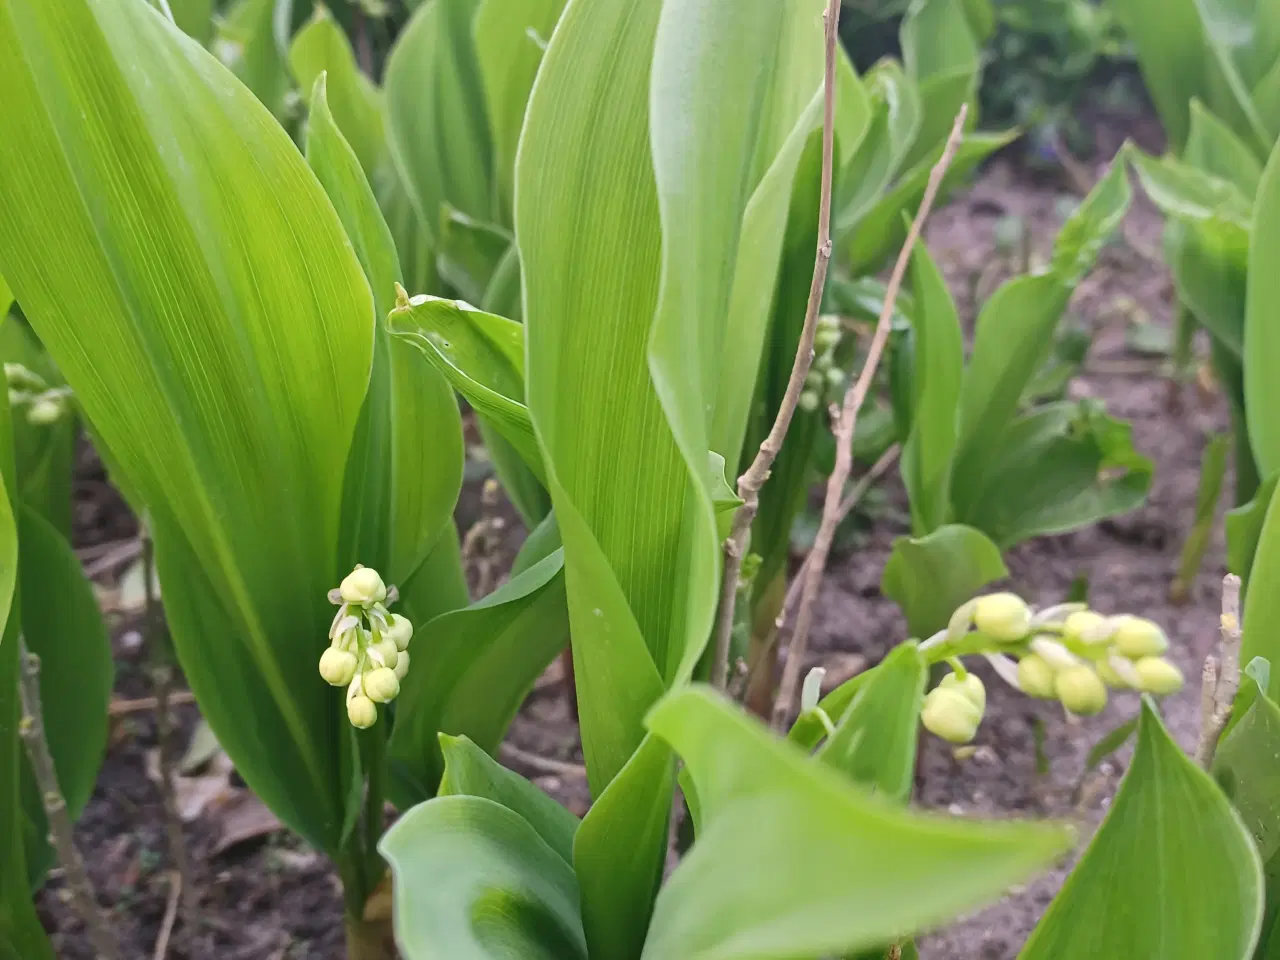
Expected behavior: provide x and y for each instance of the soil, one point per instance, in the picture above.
(271, 897)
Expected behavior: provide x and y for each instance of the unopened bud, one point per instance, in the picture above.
(1157, 675)
(399, 631)
(337, 666)
(402, 664)
(386, 652)
(1002, 616)
(361, 712)
(835, 378)
(1137, 637)
(808, 401)
(381, 684)
(814, 379)
(363, 586)
(970, 688)
(811, 691)
(1087, 628)
(1035, 677)
(1110, 675)
(45, 411)
(1080, 690)
(951, 715)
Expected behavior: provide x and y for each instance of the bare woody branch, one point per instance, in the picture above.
(1221, 676)
(31, 727)
(845, 421)
(749, 483)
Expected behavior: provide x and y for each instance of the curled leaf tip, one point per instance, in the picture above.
(402, 296)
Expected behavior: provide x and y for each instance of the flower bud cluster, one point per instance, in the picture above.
(368, 645)
(825, 379)
(45, 404)
(1067, 653)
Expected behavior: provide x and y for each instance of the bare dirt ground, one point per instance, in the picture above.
(268, 897)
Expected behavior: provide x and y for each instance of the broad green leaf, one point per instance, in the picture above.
(510, 37)
(938, 367)
(523, 488)
(874, 743)
(1062, 467)
(245, 42)
(808, 731)
(482, 357)
(1171, 872)
(1209, 260)
(21, 935)
(1244, 527)
(880, 233)
(61, 624)
(930, 576)
(1262, 600)
(43, 453)
(470, 252)
(404, 467)
(469, 771)
(413, 241)
(1214, 147)
(436, 120)
(503, 295)
(1181, 190)
(206, 233)
(355, 103)
(6, 298)
(195, 18)
(943, 59)
(1247, 767)
(470, 671)
(1092, 224)
(474, 881)
(1245, 38)
(1261, 330)
(767, 805)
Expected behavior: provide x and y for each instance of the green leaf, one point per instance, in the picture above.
(765, 802)
(1214, 147)
(1244, 527)
(874, 743)
(469, 771)
(470, 252)
(930, 576)
(436, 120)
(808, 730)
(1092, 224)
(194, 18)
(944, 59)
(61, 625)
(938, 368)
(221, 290)
(1209, 260)
(1261, 333)
(474, 881)
(245, 42)
(482, 356)
(471, 669)
(510, 37)
(321, 47)
(1175, 854)
(1063, 467)
(880, 232)
(1213, 474)
(1262, 601)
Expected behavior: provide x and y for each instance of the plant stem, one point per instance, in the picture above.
(1221, 677)
(162, 682)
(375, 762)
(843, 428)
(749, 483)
(31, 728)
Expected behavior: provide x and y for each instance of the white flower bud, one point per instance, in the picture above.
(1080, 690)
(363, 586)
(1088, 628)
(1035, 677)
(811, 691)
(337, 667)
(384, 652)
(381, 685)
(970, 688)
(402, 664)
(809, 401)
(1159, 676)
(1002, 616)
(44, 411)
(399, 630)
(361, 712)
(951, 715)
(1137, 637)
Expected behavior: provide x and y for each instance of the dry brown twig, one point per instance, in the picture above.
(1221, 678)
(170, 915)
(749, 483)
(843, 426)
(31, 728)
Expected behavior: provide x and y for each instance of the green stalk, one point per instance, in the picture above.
(361, 866)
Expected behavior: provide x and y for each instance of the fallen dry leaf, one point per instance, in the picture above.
(245, 817)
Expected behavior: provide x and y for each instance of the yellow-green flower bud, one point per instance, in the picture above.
(1088, 628)
(1137, 637)
(1035, 677)
(970, 688)
(949, 714)
(402, 664)
(337, 666)
(400, 631)
(361, 712)
(363, 586)
(381, 684)
(1080, 690)
(809, 401)
(386, 652)
(1002, 616)
(1158, 676)
(44, 411)
(1110, 676)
